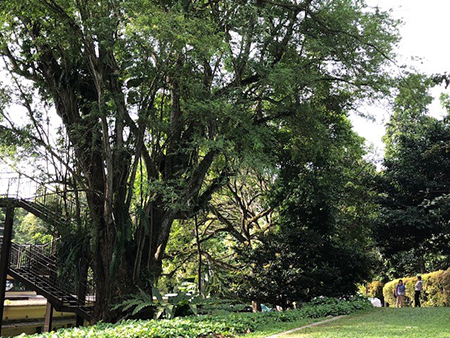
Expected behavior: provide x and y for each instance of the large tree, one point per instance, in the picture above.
(322, 246)
(176, 93)
(413, 229)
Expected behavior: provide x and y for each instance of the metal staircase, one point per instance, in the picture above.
(39, 272)
(37, 267)
(36, 208)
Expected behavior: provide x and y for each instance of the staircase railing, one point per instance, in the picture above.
(40, 194)
(37, 263)
(42, 271)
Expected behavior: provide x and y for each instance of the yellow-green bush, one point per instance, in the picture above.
(373, 289)
(436, 289)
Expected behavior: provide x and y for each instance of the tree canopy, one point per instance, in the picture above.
(326, 209)
(162, 102)
(413, 227)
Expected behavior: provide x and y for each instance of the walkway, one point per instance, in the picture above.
(304, 327)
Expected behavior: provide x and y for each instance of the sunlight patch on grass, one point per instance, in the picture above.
(385, 323)
(274, 328)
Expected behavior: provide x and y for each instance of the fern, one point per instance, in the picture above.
(138, 302)
(166, 309)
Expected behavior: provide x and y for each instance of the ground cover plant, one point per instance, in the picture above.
(224, 325)
(386, 323)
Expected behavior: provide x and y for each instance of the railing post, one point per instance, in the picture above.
(4, 259)
(48, 317)
(7, 189)
(18, 187)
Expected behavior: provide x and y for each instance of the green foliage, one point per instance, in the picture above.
(203, 326)
(219, 306)
(163, 102)
(32, 230)
(373, 289)
(326, 209)
(173, 306)
(436, 291)
(412, 230)
(323, 307)
(137, 303)
(410, 107)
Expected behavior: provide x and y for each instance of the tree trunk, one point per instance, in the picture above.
(422, 265)
(199, 252)
(256, 306)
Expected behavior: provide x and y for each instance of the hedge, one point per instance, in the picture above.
(373, 289)
(436, 289)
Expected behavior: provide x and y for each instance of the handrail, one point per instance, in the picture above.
(45, 259)
(25, 258)
(38, 261)
(28, 189)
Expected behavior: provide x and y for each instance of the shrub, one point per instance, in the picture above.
(323, 300)
(179, 305)
(373, 289)
(436, 289)
(205, 326)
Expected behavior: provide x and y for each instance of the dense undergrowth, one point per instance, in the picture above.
(205, 326)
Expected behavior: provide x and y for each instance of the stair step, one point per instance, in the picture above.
(38, 266)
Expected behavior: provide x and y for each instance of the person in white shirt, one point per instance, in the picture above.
(418, 289)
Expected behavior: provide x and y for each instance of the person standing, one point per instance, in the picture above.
(400, 291)
(417, 290)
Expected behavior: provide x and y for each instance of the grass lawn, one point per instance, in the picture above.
(384, 323)
(274, 328)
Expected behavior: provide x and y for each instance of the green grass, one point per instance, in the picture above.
(274, 328)
(384, 323)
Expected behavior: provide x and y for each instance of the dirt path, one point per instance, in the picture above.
(304, 327)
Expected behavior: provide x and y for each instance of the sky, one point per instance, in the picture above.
(424, 35)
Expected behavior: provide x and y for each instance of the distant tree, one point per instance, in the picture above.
(326, 210)
(234, 218)
(181, 92)
(32, 231)
(413, 229)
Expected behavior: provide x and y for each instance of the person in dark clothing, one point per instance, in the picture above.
(417, 290)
